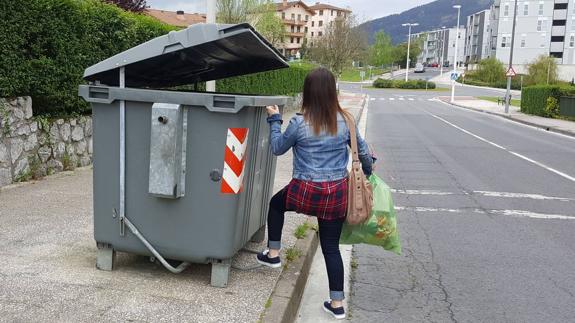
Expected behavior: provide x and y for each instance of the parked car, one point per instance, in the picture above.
(434, 65)
(419, 68)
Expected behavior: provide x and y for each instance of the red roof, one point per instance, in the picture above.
(281, 6)
(179, 18)
(320, 6)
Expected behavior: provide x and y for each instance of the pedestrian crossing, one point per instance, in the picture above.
(400, 98)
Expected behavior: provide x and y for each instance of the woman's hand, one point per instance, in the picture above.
(273, 109)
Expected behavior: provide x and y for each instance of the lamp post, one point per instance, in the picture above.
(458, 7)
(508, 93)
(442, 60)
(211, 19)
(408, 45)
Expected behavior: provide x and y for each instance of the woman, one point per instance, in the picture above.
(319, 138)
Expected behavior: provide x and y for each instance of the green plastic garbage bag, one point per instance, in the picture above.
(381, 227)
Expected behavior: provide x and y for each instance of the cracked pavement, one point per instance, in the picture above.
(486, 236)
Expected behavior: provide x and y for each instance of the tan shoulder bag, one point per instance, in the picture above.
(360, 198)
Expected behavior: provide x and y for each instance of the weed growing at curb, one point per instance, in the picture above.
(292, 254)
(300, 231)
(67, 162)
(354, 264)
(268, 303)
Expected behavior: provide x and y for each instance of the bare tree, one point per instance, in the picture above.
(342, 43)
(129, 5)
(235, 11)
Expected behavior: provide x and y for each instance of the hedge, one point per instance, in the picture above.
(534, 99)
(470, 80)
(279, 82)
(400, 84)
(45, 45)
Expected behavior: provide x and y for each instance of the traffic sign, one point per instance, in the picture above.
(362, 74)
(454, 76)
(510, 72)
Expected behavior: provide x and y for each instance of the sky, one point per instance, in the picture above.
(364, 9)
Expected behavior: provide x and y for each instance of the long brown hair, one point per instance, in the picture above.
(320, 104)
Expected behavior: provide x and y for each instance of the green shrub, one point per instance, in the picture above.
(534, 99)
(542, 70)
(471, 79)
(552, 107)
(401, 84)
(286, 81)
(46, 45)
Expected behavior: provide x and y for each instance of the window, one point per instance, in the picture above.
(298, 40)
(291, 40)
(332, 13)
(298, 29)
(292, 29)
(503, 41)
(541, 9)
(320, 23)
(557, 38)
(283, 15)
(560, 6)
(540, 25)
(313, 23)
(572, 41)
(306, 17)
(522, 42)
(293, 16)
(506, 11)
(556, 54)
(298, 17)
(321, 12)
(305, 30)
(526, 9)
(312, 33)
(319, 33)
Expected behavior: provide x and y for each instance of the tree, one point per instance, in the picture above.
(235, 11)
(267, 23)
(340, 45)
(130, 5)
(490, 70)
(381, 52)
(400, 52)
(542, 71)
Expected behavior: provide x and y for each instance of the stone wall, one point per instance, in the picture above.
(32, 147)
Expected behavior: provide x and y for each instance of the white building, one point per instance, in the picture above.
(544, 27)
(439, 45)
(478, 38)
(325, 14)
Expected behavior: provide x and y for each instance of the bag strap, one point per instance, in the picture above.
(352, 134)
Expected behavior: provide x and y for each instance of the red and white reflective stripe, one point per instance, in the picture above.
(234, 160)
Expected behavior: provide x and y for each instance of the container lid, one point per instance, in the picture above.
(199, 53)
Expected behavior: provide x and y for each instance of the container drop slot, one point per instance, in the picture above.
(225, 102)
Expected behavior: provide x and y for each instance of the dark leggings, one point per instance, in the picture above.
(329, 234)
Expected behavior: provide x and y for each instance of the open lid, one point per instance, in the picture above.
(201, 52)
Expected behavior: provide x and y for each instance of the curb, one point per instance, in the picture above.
(287, 294)
(532, 124)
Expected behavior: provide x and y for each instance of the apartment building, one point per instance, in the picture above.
(544, 27)
(478, 37)
(439, 45)
(295, 16)
(325, 14)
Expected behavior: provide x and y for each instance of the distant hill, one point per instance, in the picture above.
(429, 16)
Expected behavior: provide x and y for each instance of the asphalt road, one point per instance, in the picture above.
(486, 212)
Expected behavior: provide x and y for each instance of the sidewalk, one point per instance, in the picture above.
(49, 256)
(554, 125)
(375, 77)
(445, 79)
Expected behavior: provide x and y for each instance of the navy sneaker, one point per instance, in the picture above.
(263, 259)
(337, 313)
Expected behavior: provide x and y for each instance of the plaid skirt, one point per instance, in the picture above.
(324, 200)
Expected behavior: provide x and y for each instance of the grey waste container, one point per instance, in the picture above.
(181, 175)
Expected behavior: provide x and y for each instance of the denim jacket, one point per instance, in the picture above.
(320, 158)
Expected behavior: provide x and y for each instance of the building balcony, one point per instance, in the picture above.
(294, 22)
(560, 14)
(556, 47)
(558, 31)
(295, 34)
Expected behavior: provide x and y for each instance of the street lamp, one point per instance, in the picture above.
(442, 50)
(458, 7)
(408, 45)
(508, 94)
(211, 19)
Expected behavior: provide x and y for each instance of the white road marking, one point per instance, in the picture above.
(422, 192)
(571, 178)
(522, 195)
(372, 99)
(401, 99)
(513, 213)
(411, 99)
(382, 99)
(391, 99)
(538, 197)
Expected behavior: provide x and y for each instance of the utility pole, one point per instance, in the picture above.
(211, 19)
(458, 7)
(408, 47)
(508, 94)
(442, 50)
